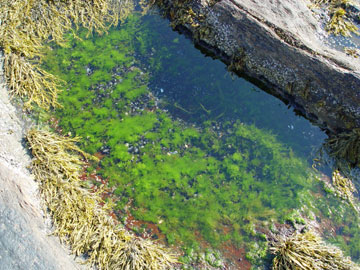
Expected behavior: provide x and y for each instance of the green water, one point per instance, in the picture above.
(210, 159)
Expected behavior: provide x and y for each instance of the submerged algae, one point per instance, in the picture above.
(165, 174)
(215, 181)
(214, 93)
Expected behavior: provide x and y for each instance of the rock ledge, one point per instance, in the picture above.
(280, 46)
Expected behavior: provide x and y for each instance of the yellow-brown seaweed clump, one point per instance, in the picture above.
(306, 251)
(30, 82)
(79, 219)
(25, 25)
(345, 146)
(339, 23)
(344, 188)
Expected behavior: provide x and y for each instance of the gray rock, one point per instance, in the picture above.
(281, 46)
(25, 243)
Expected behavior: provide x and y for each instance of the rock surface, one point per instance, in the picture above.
(25, 243)
(281, 46)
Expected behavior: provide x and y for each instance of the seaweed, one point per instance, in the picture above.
(27, 25)
(79, 219)
(354, 52)
(173, 185)
(344, 188)
(339, 23)
(30, 82)
(308, 251)
(344, 146)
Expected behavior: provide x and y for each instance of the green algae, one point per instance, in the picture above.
(213, 181)
(215, 94)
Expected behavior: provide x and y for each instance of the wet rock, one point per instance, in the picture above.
(279, 45)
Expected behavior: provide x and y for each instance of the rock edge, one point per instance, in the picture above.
(279, 46)
(25, 242)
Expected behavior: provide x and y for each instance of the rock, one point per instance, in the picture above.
(280, 46)
(24, 238)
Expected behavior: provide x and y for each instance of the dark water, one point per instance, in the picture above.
(193, 155)
(206, 89)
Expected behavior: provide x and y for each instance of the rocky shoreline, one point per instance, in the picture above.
(278, 46)
(24, 236)
(281, 47)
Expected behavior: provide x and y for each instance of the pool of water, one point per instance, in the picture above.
(202, 89)
(190, 154)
